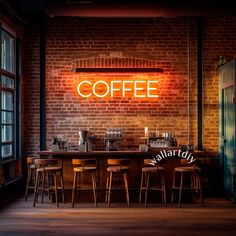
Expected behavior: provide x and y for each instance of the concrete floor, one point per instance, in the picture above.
(218, 218)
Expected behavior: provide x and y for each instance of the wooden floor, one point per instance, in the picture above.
(20, 219)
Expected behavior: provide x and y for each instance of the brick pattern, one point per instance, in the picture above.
(162, 43)
(75, 40)
(219, 40)
(31, 90)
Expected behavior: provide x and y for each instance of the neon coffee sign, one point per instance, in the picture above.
(113, 88)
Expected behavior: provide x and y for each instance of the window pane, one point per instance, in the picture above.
(7, 117)
(8, 52)
(7, 94)
(7, 133)
(7, 150)
(7, 82)
(7, 101)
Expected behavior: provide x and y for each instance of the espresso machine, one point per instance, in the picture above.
(83, 140)
(113, 137)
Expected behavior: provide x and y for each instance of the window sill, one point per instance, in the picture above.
(8, 161)
(10, 181)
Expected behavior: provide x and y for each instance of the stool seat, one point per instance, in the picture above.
(83, 166)
(33, 166)
(153, 169)
(49, 169)
(117, 168)
(187, 169)
(85, 169)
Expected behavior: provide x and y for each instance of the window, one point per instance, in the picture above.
(7, 96)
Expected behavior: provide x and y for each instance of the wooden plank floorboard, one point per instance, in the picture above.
(20, 218)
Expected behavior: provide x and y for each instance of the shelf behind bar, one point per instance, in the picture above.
(121, 70)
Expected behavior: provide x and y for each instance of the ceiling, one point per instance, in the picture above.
(122, 8)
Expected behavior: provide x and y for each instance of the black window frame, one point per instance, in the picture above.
(12, 75)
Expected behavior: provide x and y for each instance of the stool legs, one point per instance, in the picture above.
(145, 185)
(94, 186)
(109, 188)
(199, 186)
(195, 186)
(181, 188)
(36, 188)
(62, 187)
(147, 188)
(29, 177)
(55, 188)
(43, 182)
(41, 176)
(141, 188)
(173, 188)
(163, 189)
(74, 188)
(126, 188)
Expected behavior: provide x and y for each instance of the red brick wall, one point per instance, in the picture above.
(219, 40)
(162, 40)
(31, 90)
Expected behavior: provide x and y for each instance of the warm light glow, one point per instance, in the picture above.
(78, 88)
(118, 88)
(151, 89)
(136, 88)
(107, 89)
(125, 88)
(112, 86)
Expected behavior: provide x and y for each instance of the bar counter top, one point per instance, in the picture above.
(129, 153)
(95, 153)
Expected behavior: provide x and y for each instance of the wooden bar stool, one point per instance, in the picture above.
(84, 166)
(147, 170)
(191, 176)
(45, 168)
(117, 166)
(31, 175)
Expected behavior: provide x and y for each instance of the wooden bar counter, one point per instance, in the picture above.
(136, 158)
(136, 162)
